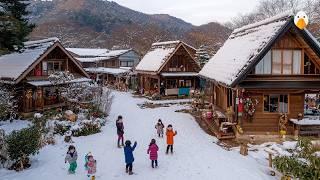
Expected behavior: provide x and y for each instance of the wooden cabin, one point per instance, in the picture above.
(168, 68)
(27, 72)
(262, 71)
(109, 67)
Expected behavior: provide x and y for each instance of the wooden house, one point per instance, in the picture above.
(168, 68)
(108, 66)
(263, 71)
(27, 72)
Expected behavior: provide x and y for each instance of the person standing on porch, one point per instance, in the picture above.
(170, 135)
(120, 131)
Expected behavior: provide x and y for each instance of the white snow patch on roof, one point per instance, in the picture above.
(114, 71)
(114, 53)
(87, 51)
(179, 74)
(14, 64)
(165, 43)
(48, 83)
(154, 59)
(91, 59)
(243, 45)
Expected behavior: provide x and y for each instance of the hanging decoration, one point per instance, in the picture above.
(250, 108)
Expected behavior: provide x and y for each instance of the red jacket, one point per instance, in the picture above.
(153, 152)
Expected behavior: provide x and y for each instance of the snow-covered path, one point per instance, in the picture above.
(195, 156)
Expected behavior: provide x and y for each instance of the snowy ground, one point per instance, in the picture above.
(8, 126)
(195, 157)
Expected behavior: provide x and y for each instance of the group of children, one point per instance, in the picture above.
(153, 147)
(90, 162)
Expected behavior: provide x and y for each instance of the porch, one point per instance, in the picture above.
(169, 84)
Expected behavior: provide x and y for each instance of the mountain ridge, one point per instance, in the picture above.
(97, 23)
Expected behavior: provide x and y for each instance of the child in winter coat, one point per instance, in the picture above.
(170, 134)
(91, 166)
(153, 152)
(128, 153)
(159, 126)
(120, 130)
(71, 158)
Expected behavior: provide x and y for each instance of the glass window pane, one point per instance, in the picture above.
(267, 63)
(266, 103)
(259, 67)
(274, 100)
(296, 62)
(276, 62)
(287, 61)
(283, 103)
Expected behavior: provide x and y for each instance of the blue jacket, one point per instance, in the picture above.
(128, 153)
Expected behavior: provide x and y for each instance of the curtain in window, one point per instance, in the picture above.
(296, 62)
(276, 64)
(287, 61)
(264, 66)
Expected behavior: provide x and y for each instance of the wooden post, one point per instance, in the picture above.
(270, 159)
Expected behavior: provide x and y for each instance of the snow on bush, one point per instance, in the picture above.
(79, 128)
(8, 103)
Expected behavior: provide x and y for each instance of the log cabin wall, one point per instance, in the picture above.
(269, 121)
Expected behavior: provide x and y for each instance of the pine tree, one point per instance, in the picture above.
(14, 25)
(202, 55)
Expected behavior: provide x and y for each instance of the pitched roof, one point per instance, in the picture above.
(93, 55)
(14, 64)
(244, 46)
(87, 51)
(158, 55)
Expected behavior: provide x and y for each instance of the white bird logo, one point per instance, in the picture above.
(301, 20)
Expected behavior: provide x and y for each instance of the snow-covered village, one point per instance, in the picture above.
(159, 90)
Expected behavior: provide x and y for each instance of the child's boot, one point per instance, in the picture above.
(127, 170)
(93, 177)
(130, 173)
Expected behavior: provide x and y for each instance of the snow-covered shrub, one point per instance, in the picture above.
(103, 100)
(302, 164)
(79, 128)
(86, 127)
(21, 144)
(8, 103)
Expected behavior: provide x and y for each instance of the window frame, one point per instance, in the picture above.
(279, 99)
(281, 55)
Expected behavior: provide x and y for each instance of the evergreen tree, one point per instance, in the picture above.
(202, 55)
(14, 25)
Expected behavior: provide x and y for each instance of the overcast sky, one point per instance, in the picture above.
(196, 12)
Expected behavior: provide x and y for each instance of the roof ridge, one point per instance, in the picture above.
(278, 17)
(30, 43)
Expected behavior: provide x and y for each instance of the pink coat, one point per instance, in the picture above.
(92, 167)
(153, 152)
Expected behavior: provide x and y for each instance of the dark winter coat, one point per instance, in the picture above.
(120, 128)
(128, 153)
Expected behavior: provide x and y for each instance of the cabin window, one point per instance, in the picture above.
(275, 103)
(276, 62)
(171, 83)
(280, 62)
(309, 66)
(126, 63)
(264, 66)
(50, 67)
(188, 83)
(296, 62)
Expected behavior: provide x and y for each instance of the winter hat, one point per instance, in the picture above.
(169, 126)
(128, 143)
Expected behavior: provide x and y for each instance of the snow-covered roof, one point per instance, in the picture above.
(14, 64)
(90, 59)
(242, 47)
(158, 55)
(175, 74)
(87, 51)
(115, 53)
(48, 83)
(103, 70)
